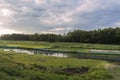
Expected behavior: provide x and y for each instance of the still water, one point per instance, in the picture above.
(47, 53)
(58, 54)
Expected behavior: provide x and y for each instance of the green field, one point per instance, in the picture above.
(60, 46)
(18, 66)
(21, 66)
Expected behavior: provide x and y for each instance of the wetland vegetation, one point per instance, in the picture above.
(16, 66)
(77, 55)
(22, 66)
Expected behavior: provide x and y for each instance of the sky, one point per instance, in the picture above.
(57, 16)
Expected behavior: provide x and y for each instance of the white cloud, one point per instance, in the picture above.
(40, 1)
(6, 12)
(46, 32)
(49, 15)
(24, 9)
(7, 31)
(58, 29)
(61, 29)
(117, 24)
(56, 19)
(1, 23)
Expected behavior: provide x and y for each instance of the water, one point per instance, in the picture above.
(105, 51)
(58, 54)
(46, 53)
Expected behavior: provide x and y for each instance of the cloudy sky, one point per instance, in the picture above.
(57, 16)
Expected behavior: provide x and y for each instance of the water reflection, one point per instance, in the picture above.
(47, 53)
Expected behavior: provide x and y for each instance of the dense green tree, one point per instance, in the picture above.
(105, 36)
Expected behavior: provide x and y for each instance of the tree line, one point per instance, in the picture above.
(104, 36)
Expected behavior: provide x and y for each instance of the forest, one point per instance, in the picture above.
(102, 36)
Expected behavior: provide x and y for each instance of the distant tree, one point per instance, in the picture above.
(104, 36)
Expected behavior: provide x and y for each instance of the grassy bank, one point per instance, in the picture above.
(18, 66)
(60, 46)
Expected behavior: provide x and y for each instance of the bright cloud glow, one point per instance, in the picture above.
(6, 12)
(7, 31)
(40, 1)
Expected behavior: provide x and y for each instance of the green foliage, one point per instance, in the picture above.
(104, 36)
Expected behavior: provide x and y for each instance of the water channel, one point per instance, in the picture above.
(47, 53)
(57, 53)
